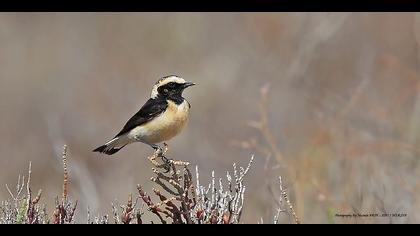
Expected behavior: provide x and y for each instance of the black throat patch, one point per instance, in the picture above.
(176, 98)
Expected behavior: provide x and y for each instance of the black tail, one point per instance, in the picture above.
(106, 150)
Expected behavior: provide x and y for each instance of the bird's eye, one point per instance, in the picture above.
(165, 91)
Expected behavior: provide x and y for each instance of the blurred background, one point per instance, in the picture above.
(342, 102)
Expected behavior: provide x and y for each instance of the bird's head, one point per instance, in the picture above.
(170, 86)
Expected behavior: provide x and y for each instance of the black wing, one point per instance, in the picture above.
(151, 109)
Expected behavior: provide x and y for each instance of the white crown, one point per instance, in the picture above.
(163, 81)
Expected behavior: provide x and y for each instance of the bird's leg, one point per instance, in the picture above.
(165, 146)
(154, 146)
(161, 152)
(166, 161)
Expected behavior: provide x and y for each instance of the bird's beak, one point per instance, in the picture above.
(188, 84)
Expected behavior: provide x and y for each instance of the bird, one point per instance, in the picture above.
(161, 118)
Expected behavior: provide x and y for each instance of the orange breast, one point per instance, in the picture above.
(168, 124)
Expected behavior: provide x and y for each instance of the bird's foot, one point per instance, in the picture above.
(167, 163)
(165, 147)
(160, 149)
(161, 152)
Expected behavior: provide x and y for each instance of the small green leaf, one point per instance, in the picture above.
(330, 215)
(21, 214)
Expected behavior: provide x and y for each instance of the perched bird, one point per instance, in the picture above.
(161, 118)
